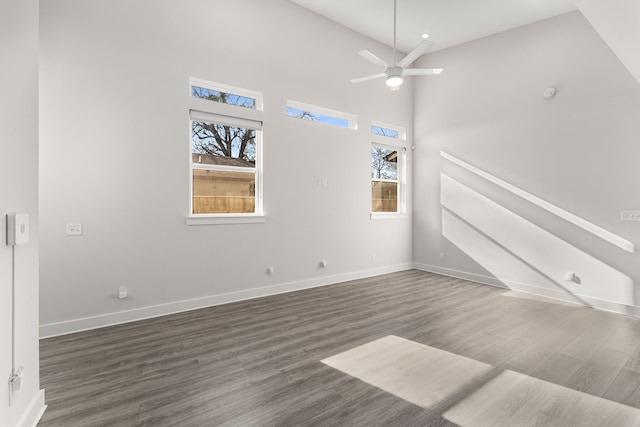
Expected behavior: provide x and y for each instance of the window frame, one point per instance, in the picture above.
(229, 114)
(396, 144)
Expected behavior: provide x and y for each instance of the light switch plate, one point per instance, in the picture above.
(17, 229)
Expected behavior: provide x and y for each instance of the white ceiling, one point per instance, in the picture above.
(449, 22)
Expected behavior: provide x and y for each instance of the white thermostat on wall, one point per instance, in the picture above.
(17, 229)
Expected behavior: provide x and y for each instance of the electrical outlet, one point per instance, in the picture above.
(123, 292)
(629, 216)
(74, 229)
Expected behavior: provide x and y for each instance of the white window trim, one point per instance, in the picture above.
(205, 116)
(352, 119)
(402, 132)
(402, 180)
(221, 87)
(388, 215)
(226, 219)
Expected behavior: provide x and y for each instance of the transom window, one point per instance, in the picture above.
(225, 94)
(387, 130)
(318, 114)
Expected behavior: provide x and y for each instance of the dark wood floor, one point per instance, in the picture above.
(258, 362)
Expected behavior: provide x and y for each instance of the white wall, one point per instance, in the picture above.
(114, 156)
(617, 24)
(19, 193)
(577, 151)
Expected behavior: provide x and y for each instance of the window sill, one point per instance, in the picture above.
(388, 215)
(226, 219)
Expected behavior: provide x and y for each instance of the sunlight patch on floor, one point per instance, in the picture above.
(427, 376)
(415, 372)
(516, 399)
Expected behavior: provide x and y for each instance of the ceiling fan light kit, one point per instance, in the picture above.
(394, 73)
(394, 76)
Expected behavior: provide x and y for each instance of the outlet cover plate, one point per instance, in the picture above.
(74, 229)
(629, 216)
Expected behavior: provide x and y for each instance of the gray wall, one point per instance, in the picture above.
(19, 193)
(114, 157)
(576, 152)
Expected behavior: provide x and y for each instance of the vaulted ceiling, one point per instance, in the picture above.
(449, 22)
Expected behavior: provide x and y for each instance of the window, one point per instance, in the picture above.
(387, 130)
(377, 130)
(385, 183)
(388, 159)
(224, 162)
(225, 94)
(225, 156)
(320, 114)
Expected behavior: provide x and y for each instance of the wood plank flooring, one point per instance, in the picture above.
(258, 362)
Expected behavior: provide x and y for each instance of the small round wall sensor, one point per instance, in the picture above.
(549, 92)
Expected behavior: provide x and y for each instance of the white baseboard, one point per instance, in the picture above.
(472, 277)
(109, 319)
(612, 306)
(34, 411)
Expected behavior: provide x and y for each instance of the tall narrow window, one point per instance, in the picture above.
(225, 154)
(225, 164)
(388, 170)
(385, 178)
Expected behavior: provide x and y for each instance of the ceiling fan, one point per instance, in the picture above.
(394, 73)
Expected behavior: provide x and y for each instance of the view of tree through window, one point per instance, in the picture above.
(384, 179)
(224, 141)
(223, 159)
(302, 114)
(318, 114)
(382, 131)
(225, 149)
(222, 97)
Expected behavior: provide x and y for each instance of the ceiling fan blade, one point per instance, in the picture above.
(364, 79)
(422, 71)
(372, 58)
(416, 53)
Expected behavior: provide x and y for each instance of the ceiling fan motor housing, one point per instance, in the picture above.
(394, 76)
